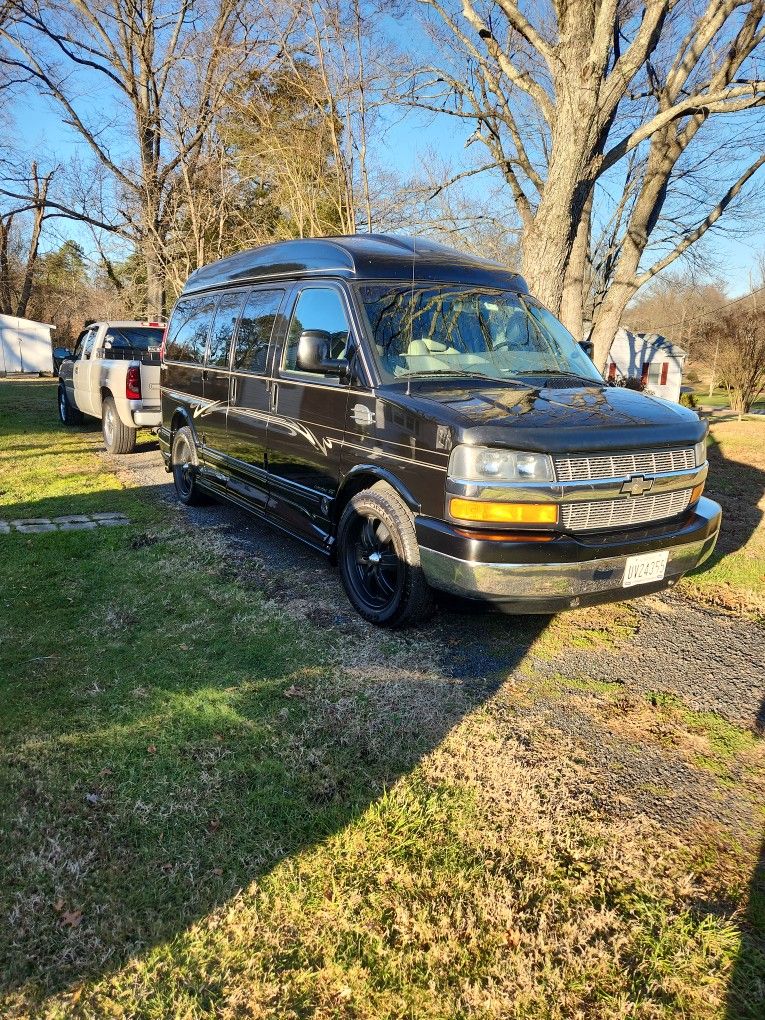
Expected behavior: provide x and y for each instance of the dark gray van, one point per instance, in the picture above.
(415, 414)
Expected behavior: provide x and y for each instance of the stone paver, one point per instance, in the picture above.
(66, 522)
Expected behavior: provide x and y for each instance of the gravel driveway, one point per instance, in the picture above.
(660, 700)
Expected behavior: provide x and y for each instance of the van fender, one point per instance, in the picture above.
(369, 474)
(181, 417)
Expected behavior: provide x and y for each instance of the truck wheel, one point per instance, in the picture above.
(68, 414)
(118, 437)
(379, 559)
(185, 462)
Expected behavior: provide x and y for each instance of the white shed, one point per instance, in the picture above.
(653, 359)
(25, 345)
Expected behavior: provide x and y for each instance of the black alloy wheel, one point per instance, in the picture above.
(373, 568)
(379, 559)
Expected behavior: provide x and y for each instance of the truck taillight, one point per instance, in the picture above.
(133, 383)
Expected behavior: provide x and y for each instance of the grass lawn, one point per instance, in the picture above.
(719, 399)
(203, 814)
(735, 576)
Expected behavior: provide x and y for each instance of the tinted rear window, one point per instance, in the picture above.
(137, 338)
(229, 307)
(189, 326)
(255, 328)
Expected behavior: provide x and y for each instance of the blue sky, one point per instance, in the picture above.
(407, 141)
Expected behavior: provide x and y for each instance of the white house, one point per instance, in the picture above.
(653, 359)
(25, 345)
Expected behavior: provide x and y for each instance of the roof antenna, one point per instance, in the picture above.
(411, 315)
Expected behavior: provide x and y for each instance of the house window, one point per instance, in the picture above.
(612, 371)
(657, 373)
(644, 374)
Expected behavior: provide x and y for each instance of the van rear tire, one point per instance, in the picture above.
(184, 460)
(118, 437)
(379, 559)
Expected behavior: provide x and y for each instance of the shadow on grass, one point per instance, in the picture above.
(169, 736)
(174, 726)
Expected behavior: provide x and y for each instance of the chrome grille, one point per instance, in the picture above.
(614, 513)
(623, 465)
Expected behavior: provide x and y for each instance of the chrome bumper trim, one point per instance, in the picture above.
(558, 582)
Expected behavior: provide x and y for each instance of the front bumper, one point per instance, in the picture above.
(566, 572)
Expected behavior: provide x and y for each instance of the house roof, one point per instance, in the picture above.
(359, 257)
(654, 341)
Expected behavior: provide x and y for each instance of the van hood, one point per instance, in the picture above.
(552, 418)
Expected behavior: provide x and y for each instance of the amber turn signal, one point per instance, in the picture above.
(697, 491)
(503, 513)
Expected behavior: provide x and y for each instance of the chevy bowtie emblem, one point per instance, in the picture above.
(637, 486)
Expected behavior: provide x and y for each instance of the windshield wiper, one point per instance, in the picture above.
(560, 372)
(451, 371)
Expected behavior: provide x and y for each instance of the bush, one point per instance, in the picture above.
(688, 400)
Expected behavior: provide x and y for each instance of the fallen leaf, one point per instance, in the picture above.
(214, 824)
(71, 918)
(58, 905)
(151, 749)
(184, 648)
(106, 772)
(294, 692)
(217, 871)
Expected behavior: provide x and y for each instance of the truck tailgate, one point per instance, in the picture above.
(150, 386)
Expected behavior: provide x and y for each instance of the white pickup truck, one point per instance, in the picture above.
(113, 374)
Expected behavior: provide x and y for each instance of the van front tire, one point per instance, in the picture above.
(379, 559)
(118, 437)
(185, 465)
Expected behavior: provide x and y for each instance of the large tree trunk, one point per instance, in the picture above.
(572, 306)
(549, 239)
(155, 286)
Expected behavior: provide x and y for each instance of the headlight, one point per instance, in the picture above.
(700, 451)
(486, 464)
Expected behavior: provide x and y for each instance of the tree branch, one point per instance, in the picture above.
(690, 239)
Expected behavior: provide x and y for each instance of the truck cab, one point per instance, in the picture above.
(420, 418)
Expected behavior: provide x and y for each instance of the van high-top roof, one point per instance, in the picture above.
(357, 257)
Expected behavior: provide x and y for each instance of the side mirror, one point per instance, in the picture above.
(62, 354)
(313, 354)
(588, 347)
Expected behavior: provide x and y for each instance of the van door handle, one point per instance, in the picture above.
(274, 395)
(232, 394)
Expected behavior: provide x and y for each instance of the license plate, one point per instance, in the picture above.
(645, 569)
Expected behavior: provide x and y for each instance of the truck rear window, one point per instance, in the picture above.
(136, 338)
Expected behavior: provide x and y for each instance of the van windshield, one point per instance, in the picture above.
(448, 330)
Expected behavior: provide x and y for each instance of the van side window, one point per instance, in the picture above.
(255, 328)
(318, 308)
(224, 324)
(189, 326)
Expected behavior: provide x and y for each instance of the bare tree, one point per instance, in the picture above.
(167, 65)
(17, 268)
(741, 361)
(563, 96)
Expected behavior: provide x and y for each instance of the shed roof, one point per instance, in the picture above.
(359, 257)
(7, 320)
